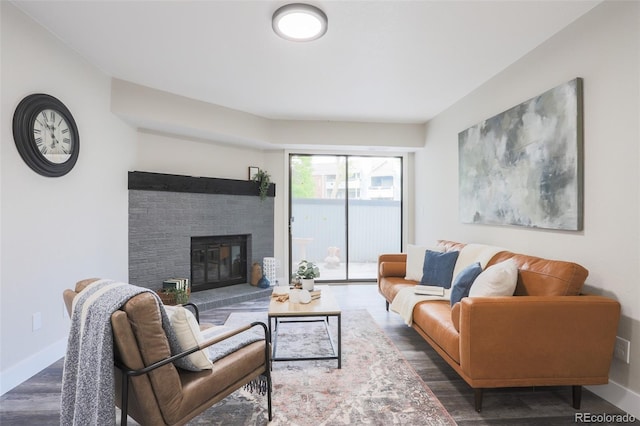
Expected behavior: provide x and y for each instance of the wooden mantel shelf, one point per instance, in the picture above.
(147, 181)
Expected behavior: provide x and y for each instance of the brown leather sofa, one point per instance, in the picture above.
(547, 334)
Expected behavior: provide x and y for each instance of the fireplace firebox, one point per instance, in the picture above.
(219, 261)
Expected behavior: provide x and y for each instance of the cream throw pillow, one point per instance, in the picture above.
(415, 261)
(497, 280)
(472, 253)
(188, 333)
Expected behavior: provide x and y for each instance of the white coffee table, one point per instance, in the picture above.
(318, 310)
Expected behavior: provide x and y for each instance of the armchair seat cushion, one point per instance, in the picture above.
(226, 376)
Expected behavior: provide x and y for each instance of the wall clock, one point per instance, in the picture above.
(46, 135)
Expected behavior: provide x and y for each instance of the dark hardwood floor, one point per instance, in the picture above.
(36, 402)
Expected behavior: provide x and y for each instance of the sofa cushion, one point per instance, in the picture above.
(545, 277)
(497, 280)
(433, 318)
(415, 261)
(390, 286)
(445, 245)
(438, 268)
(462, 283)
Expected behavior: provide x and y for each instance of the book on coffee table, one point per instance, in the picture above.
(429, 290)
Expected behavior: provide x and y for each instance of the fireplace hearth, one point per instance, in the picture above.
(218, 261)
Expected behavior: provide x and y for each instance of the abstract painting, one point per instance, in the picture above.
(524, 166)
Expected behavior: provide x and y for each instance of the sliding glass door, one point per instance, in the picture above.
(344, 211)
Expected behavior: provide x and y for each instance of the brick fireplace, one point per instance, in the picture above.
(168, 213)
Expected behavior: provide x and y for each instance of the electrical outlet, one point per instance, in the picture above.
(36, 321)
(621, 349)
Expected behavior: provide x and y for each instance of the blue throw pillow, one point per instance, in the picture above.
(438, 267)
(463, 282)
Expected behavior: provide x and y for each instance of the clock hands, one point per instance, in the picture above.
(52, 133)
(49, 123)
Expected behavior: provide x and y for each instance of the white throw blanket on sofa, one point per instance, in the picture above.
(406, 300)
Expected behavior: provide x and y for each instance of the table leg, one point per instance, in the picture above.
(339, 340)
(273, 343)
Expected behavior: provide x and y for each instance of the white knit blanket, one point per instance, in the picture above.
(88, 393)
(406, 300)
(87, 380)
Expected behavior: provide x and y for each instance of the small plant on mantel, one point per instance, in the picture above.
(263, 179)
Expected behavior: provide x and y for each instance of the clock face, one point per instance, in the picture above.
(52, 136)
(46, 135)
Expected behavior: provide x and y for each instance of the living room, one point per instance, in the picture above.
(55, 231)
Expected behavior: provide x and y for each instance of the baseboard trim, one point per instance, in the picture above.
(618, 395)
(22, 371)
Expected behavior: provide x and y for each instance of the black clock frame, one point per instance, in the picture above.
(23, 120)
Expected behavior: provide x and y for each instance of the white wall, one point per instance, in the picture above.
(167, 113)
(603, 48)
(55, 231)
(161, 153)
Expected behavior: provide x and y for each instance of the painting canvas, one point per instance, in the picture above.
(524, 166)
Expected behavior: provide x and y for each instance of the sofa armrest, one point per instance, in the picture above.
(392, 257)
(554, 338)
(392, 265)
(393, 269)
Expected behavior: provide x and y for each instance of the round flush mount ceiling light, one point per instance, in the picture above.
(299, 22)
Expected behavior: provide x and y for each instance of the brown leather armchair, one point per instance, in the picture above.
(150, 389)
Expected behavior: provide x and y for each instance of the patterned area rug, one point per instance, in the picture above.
(375, 386)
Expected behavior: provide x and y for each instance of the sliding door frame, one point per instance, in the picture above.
(403, 193)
